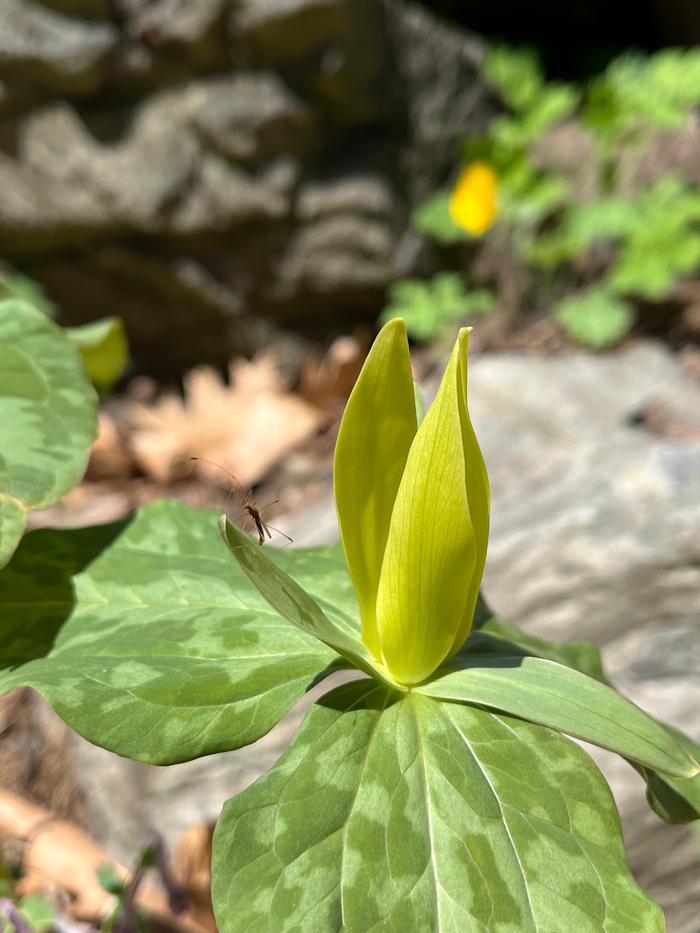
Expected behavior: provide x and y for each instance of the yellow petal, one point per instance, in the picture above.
(375, 435)
(473, 204)
(430, 553)
(478, 495)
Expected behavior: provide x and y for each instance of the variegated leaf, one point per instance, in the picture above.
(47, 417)
(157, 647)
(391, 814)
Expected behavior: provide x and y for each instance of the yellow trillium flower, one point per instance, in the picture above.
(413, 509)
(473, 202)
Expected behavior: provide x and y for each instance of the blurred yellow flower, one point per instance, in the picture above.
(473, 203)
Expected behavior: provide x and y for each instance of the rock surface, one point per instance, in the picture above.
(198, 168)
(596, 535)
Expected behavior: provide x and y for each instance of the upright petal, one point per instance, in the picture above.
(430, 552)
(375, 435)
(478, 494)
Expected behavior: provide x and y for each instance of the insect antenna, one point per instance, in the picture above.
(245, 496)
(223, 470)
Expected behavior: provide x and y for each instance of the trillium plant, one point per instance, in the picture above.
(433, 784)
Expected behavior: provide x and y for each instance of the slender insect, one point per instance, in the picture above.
(262, 527)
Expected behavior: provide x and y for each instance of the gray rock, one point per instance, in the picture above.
(252, 117)
(92, 9)
(277, 148)
(345, 243)
(172, 20)
(288, 30)
(100, 187)
(437, 67)
(57, 53)
(618, 506)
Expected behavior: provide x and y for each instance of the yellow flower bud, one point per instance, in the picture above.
(413, 509)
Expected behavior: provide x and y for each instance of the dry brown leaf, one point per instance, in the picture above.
(108, 454)
(60, 856)
(192, 868)
(245, 427)
(328, 382)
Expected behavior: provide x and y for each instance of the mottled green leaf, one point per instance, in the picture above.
(104, 349)
(15, 285)
(392, 814)
(47, 414)
(562, 698)
(330, 624)
(159, 648)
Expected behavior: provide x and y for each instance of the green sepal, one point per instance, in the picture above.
(396, 813)
(157, 647)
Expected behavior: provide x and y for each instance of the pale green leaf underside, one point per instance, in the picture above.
(47, 414)
(403, 815)
(158, 649)
(561, 698)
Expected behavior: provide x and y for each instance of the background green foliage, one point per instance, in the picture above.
(429, 307)
(596, 247)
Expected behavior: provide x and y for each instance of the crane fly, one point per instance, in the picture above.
(262, 527)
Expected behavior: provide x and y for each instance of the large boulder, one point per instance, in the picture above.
(201, 168)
